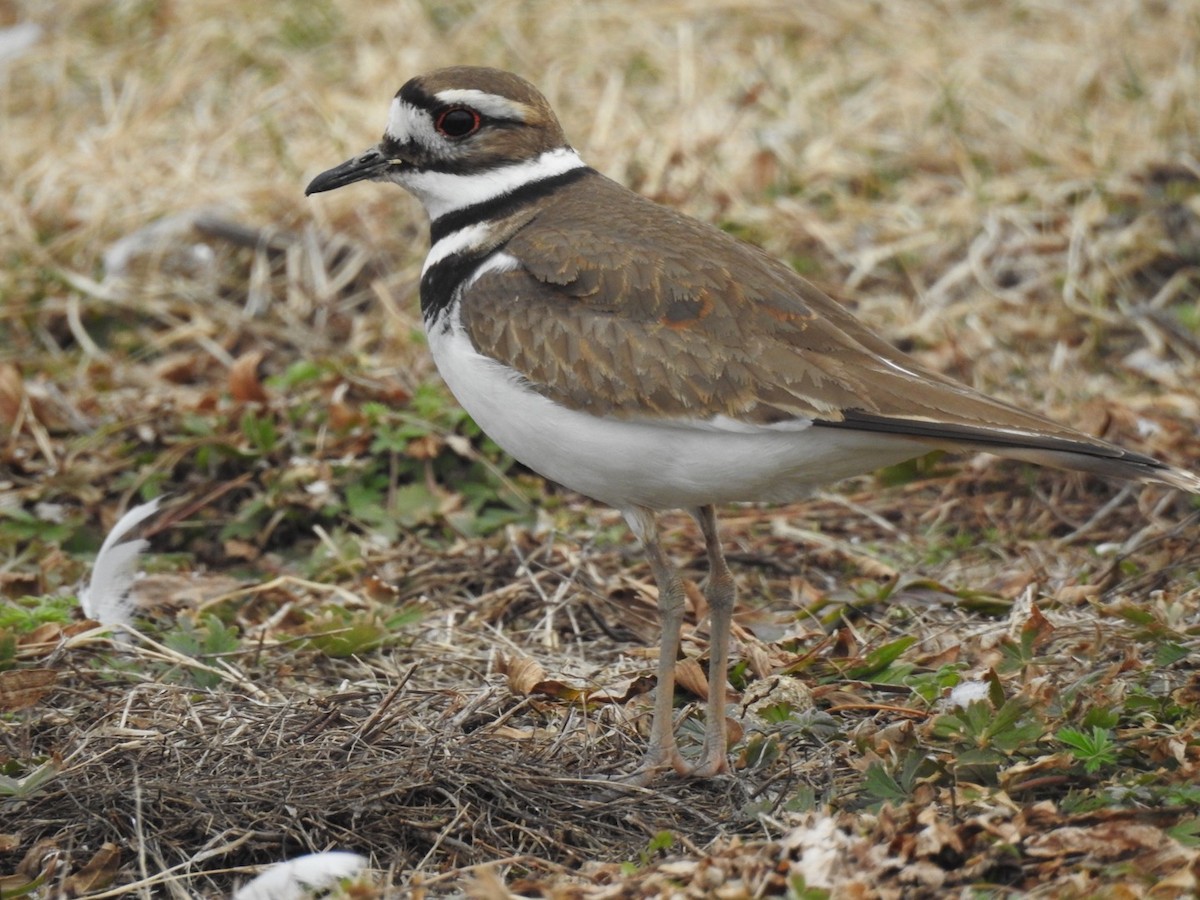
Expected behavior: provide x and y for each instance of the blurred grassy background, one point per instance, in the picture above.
(875, 145)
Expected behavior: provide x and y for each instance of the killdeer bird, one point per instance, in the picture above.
(651, 361)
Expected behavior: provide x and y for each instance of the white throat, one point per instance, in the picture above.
(446, 192)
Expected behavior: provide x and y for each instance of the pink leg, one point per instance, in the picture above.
(721, 593)
(662, 752)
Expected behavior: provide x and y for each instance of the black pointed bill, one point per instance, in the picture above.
(364, 167)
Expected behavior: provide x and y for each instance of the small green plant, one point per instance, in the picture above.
(930, 686)
(212, 638)
(19, 526)
(261, 432)
(339, 632)
(980, 725)
(660, 843)
(300, 372)
(797, 889)
(1016, 656)
(1187, 832)
(22, 787)
(26, 613)
(760, 751)
(983, 736)
(909, 471)
(1095, 750)
(896, 787)
(881, 666)
(803, 799)
(945, 546)
(1169, 653)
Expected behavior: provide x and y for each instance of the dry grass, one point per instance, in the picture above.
(1011, 190)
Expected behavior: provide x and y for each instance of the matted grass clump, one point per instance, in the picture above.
(363, 628)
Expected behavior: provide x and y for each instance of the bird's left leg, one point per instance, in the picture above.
(721, 593)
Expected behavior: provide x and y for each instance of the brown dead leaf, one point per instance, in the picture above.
(46, 633)
(735, 732)
(38, 401)
(513, 733)
(690, 677)
(14, 885)
(696, 599)
(378, 589)
(1106, 841)
(927, 876)
(167, 592)
(38, 858)
(244, 550)
(427, 446)
(938, 836)
(486, 884)
(680, 868)
(847, 644)
(18, 584)
(47, 637)
(244, 384)
(622, 690)
(1077, 594)
(185, 367)
(36, 866)
(944, 657)
(22, 688)
(42, 641)
(1183, 882)
(98, 873)
(1189, 694)
(759, 660)
(524, 673)
(342, 416)
(12, 395)
(1039, 625)
(527, 676)
(892, 737)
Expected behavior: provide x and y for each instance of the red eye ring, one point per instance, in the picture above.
(457, 122)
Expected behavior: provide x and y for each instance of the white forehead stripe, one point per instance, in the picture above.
(407, 122)
(489, 104)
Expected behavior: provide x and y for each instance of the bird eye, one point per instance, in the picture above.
(457, 122)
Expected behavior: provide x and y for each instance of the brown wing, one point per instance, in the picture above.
(649, 318)
(646, 317)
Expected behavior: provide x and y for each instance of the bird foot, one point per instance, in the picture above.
(659, 760)
(710, 764)
(656, 761)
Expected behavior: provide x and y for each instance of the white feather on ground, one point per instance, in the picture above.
(293, 879)
(106, 597)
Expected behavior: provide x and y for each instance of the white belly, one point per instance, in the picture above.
(638, 463)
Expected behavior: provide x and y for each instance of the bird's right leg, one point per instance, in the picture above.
(662, 752)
